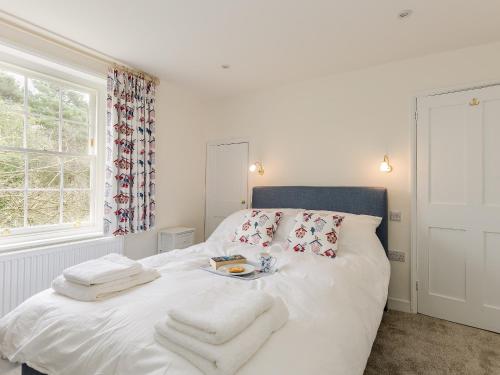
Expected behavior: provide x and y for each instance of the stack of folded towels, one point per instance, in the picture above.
(219, 330)
(99, 278)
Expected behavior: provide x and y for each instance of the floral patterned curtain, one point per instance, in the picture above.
(129, 205)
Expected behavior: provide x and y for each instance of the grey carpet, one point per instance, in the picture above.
(409, 344)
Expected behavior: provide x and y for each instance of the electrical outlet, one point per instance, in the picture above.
(395, 215)
(397, 256)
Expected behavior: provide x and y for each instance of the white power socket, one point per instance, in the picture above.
(397, 256)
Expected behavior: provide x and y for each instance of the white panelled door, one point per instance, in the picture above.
(458, 207)
(226, 182)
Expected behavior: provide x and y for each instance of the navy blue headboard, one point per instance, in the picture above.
(355, 200)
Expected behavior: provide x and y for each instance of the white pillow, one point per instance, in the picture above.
(286, 224)
(354, 227)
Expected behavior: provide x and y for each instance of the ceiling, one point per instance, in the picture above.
(266, 42)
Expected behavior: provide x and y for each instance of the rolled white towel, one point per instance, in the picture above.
(102, 270)
(101, 291)
(217, 315)
(227, 358)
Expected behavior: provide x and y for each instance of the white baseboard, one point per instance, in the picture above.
(399, 304)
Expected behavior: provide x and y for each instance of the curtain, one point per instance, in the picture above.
(129, 204)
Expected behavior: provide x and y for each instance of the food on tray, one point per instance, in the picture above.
(237, 269)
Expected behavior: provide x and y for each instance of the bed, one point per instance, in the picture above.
(335, 305)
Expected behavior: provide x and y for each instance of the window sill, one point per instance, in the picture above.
(31, 242)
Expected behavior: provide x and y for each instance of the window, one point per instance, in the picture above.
(48, 154)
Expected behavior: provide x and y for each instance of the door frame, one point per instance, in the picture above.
(219, 142)
(413, 175)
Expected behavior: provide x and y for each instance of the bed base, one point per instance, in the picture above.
(26, 370)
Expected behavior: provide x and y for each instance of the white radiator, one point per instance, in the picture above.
(27, 272)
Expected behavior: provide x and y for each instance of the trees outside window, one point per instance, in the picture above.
(47, 153)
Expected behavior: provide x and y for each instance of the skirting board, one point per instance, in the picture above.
(399, 304)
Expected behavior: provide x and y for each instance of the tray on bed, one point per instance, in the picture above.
(251, 276)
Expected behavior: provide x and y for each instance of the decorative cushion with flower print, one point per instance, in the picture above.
(258, 227)
(315, 232)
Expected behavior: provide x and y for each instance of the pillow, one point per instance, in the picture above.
(287, 222)
(315, 232)
(258, 227)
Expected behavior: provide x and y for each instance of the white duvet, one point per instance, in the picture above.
(335, 309)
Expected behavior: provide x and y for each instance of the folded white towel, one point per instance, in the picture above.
(227, 358)
(217, 315)
(101, 291)
(102, 270)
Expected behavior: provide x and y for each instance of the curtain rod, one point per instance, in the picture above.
(75, 47)
(134, 71)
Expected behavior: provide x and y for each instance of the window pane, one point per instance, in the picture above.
(75, 138)
(11, 170)
(11, 91)
(76, 206)
(11, 127)
(43, 98)
(75, 105)
(12, 209)
(76, 172)
(43, 134)
(43, 207)
(43, 171)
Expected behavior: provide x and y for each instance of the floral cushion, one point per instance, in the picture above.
(316, 233)
(258, 227)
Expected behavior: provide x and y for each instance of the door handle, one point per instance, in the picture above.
(474, 102)
(243, 201)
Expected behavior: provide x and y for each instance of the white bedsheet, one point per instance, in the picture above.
(335, 309)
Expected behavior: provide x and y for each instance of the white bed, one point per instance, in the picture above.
(335, 309)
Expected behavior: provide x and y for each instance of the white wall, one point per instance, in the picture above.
(335, 130)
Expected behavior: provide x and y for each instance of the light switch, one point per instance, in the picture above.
(395, 215)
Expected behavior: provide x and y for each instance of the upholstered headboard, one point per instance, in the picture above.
(355, 200)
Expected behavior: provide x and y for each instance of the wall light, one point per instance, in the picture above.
(385, 166)
(257, 166)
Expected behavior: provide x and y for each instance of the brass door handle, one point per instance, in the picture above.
(474, 101)
(243, 201)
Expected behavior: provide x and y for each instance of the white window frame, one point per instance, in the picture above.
(64, 78)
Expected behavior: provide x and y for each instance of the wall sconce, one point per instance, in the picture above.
(385, 166)
(257, 166)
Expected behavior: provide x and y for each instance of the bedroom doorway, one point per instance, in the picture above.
(226, 189)
(458, 206)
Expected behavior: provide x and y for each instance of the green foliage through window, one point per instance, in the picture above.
(45, 160)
